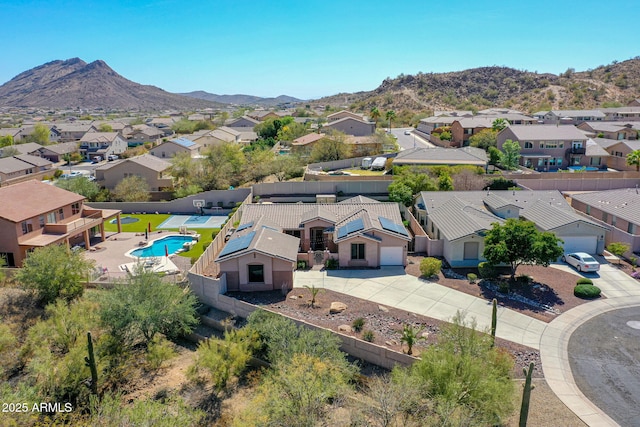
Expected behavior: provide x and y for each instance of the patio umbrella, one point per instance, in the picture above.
(149, 227)
(166, 251)
(146, 234)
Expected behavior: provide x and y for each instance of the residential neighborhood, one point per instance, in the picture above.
(378, 231)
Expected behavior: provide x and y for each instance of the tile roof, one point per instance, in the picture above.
(593, 149)
(33, 160)
(62, 148)
(99, 137)
(548, 217)
(32, 198)
(308, 139)
(545, 132)
(439, 156)
(262, 238)
(9, 165)
(577, 113)
(623, 203)
(456, 219)
(27, 148)
(146, 160)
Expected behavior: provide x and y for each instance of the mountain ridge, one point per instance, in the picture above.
(241, 99)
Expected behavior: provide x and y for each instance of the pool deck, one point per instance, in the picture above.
(110, 254)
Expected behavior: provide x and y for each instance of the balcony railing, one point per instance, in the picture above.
(577, 150)
(76, 224)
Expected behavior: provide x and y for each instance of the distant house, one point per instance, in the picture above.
(34, 214)
(174, 146)
(102, 144)
(457, 221)
(209, 138)
(26, 148)
(351, 126)
(73, 131)
(610, 130)
(345, 114)
(618, 151)
(634, 103)
(427, 125)
(359, 232)
(464, 128)
(441, 156)
(242, 122)
(22, 165)
(551, 147)
(12, 132)
(154, 170)
(57, 152)
(304, 144)
(624, 114)
(140, 134)
(263, 115)
(571, 117)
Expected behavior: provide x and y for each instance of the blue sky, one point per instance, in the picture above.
(310, 48)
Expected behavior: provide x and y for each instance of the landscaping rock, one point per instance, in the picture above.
(383, 308)
(337, 307)
(344, 328)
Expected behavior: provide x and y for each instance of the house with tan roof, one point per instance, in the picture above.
(26, 148)
(551, 147)
(152, 169)
(304, 144)
(242, 122)
(140, 134)
(73, 131)
(441, 156)
(610, 130)
(350, 125)
(22, 165)
(357, 233)
(34, 214)
(57, 152)
(457, 221)
(102, 144)
(170, 148)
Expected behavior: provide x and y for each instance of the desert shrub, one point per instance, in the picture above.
(358, 324)
(584, 281)
(430, 266)
(57, 173)
(214, 233)
(586, 291)
(472, 277)
(486, 270)
(159, 350)
(524, 279)
(369, 336)
(302, 265)
(503, 286)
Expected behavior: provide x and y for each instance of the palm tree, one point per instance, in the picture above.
(390, 115)
(410, 336)
(314, 293)
(633, 159)
(375, 114)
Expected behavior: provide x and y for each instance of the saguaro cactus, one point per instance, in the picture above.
(526, 396)
(91, 363)
(494, 321)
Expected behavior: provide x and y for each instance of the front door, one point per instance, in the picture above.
(317, 239)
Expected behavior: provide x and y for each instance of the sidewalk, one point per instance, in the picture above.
(391, 286)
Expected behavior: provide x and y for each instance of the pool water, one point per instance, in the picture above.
(157, 248)
(125, 220)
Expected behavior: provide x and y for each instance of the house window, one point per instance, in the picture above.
(357, 251)
(41, 221)
(631, 228)
(75, 208)
(256, 273)
(605, 217)
(61, 213)
(576, 144)
(614, 220)
(51, 217)
(595, 161)
(26, 227)
(528, 144)
(588, 210)
(559, 161)
(561, 144)
(551, 144)
(552, 161)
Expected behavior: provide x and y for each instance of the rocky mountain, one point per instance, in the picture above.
(247, 100)
(479, 88)
(75, 84)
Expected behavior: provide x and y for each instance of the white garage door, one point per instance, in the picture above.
(587, 244)
(391, 256)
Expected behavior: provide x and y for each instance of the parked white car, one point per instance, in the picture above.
(581, 261)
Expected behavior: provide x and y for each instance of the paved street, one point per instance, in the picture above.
(410, 141)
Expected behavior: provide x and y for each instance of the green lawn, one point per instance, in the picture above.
(156, 220)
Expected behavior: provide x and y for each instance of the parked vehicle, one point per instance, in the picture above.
(581, 261)
(96, 159)
(407, 132)
(379, 163)
(366, 163)
(112, 157)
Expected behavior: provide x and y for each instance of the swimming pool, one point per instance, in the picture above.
(157, 247)
(585, 168)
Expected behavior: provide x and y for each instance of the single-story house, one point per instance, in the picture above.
(617, 209)
(56, 152)
(442, 156)
(610, 130)
(22, 165)
(457, 221)
(618, 151)
(174, 146)
(304, 144)
(242, 122)
(26, 148)
(358, 232)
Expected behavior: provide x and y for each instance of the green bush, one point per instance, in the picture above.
(302, 265)
(369, 336)
(586, 291)
(214, 233)
(430, 266)
(331, 264)
(472, 277)
(159, 351)
(358, 324)
(503, 286)
(524, 279)
(57, 173)
(584, 281)
(486, 270)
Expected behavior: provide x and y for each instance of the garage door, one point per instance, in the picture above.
(588, 244)
(391, 256)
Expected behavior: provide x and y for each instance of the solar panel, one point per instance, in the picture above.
(350, 227)
(245, 226)
(184, 142)
(389, 225)
(237, 244)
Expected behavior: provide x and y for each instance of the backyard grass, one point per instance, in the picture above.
(206, 234)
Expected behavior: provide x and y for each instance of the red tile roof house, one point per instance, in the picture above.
(34, 214)
(358, 233)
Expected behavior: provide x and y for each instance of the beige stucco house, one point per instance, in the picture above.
(153, 169)
(169, 149)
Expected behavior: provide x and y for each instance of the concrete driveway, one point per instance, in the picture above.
(391, 286)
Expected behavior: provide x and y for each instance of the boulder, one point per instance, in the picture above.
(337, 307)
(344, 328)
(383, 308)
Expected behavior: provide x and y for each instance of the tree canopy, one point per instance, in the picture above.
(484, 139)
(510, 155)
(132, 189)
(518, 242)
(54, 272)
(633, 159)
